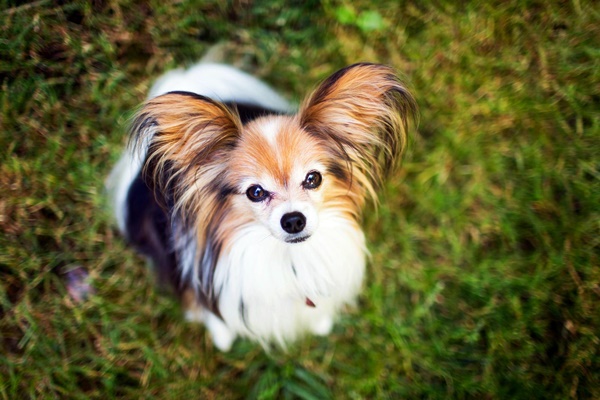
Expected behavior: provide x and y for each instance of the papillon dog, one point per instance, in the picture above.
(251, 210)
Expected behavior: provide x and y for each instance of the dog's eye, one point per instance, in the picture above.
(256, 193)
(312, 181)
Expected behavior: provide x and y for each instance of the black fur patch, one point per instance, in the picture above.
(249, 112)
(226, 191)
(339, 170)
(149, 231)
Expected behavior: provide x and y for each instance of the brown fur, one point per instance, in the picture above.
(363, 112)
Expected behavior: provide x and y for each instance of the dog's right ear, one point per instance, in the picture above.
(364, 110)
(181, 135)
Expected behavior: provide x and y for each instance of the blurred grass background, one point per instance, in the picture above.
(484, 279)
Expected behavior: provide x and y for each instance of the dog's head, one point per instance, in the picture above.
(280, 171)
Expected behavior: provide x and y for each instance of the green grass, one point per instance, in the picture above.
(484, 280)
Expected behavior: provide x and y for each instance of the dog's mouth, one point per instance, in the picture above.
(298, 239)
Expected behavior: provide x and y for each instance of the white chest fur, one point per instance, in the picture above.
(266, 286)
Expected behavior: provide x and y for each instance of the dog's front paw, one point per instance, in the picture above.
(323, 326)
(222, 336)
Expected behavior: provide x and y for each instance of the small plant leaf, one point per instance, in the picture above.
(370, 21)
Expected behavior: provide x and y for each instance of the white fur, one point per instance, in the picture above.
(222, 83)
(270, 130)
(274, 279)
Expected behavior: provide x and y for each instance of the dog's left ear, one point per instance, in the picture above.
(365, 110)
(184, 137)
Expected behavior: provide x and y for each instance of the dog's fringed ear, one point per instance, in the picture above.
(364, 110)
(182, 135)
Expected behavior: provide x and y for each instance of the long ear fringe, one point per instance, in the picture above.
(365, 111)
(181, 134)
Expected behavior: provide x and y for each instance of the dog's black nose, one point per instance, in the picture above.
(293, 222)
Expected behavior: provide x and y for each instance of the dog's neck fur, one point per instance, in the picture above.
(262, 273)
